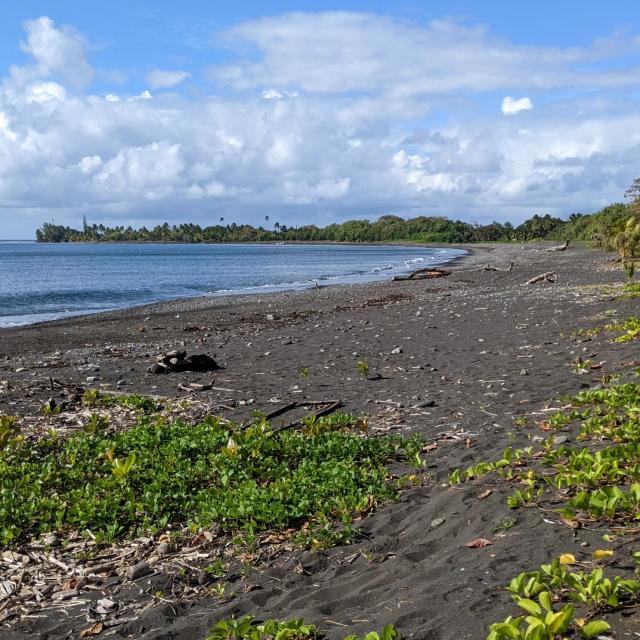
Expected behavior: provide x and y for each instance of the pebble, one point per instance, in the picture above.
(396, 350)
(437, 522)
(524, 372)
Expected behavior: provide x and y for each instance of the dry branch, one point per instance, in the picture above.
(560, 247)
(423, 274)
(549, 276)
(331, 406)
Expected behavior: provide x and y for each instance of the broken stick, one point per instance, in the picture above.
(549, 276)
(489, 267)
(560, 247)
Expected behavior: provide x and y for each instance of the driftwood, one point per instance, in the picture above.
(549, 276)
(330, 407)
(423, 274)
(489, 267)
(560, 247)
(280, 410)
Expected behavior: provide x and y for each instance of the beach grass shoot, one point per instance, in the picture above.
(160, 474)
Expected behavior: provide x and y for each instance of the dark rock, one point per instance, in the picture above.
(176, 362)
(201, 362)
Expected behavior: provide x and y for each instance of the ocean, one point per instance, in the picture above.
(47, 281)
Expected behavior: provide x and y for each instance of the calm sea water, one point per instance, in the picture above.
(46, 281)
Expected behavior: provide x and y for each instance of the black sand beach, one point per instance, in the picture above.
(456, 359)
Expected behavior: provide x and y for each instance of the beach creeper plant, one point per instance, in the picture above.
(246, 628)
(244, 479)
(557, 582)
(597, 482)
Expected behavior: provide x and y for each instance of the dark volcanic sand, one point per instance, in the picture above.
(482, 345)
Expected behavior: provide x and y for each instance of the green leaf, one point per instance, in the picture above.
(507, 630)
(546, 601)
(595, 628)
(529, 605)
(389, 632)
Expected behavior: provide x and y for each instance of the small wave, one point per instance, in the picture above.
(379, 269)
(413, 261)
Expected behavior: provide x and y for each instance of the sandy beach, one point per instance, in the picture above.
(456, 359)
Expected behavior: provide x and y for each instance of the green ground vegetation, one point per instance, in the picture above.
(246, 628)
(593, 484)
(247, 479)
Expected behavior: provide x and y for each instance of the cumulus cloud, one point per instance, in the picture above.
(330, 120)
(57, 52)
(511, 106)
(159, 79)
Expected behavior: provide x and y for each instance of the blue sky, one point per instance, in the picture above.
(140, 112)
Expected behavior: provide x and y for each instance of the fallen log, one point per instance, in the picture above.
(549, 276)
(423, 274)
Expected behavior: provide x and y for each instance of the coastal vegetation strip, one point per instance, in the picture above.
(602, 227)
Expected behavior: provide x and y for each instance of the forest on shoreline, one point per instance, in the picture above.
(601, 228)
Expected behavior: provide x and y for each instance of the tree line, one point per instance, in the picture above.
(601, 227)
(388, 228)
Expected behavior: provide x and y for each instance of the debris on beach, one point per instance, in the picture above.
(423, 274)
(560, 247)
(177, 361)
(549, 276)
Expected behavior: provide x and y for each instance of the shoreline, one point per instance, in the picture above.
(460, 359)
(251, 291)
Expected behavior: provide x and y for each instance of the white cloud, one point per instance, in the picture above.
(511, 106)
(316, 134)
(159, 79)
(56, 52)
(336, 52)
(45, 92)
